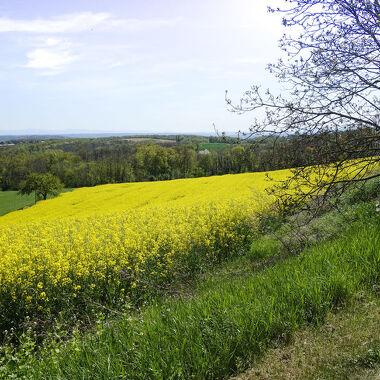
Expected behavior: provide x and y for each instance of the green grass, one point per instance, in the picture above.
(231, 319)
(346, 346)
(212, 146)
(12, 201)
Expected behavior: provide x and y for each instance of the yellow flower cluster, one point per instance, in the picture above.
(101, 243)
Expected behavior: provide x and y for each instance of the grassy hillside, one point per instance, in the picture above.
(12, 201)
(234, 316)
(73, 261)
(345, 346)
(116, 243)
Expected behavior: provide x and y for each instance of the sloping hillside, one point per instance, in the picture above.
(108, 199)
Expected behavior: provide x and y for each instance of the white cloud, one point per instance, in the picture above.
(80, 22)
(51, 54)
(49, 59)
(46, 49)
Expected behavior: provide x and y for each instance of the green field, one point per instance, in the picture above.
(12, 201)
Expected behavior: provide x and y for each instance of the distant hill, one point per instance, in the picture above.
(90, 135)
(29, 137)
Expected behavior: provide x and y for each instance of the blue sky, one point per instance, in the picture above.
(131, 66)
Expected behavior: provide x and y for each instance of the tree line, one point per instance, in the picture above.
(91, 162)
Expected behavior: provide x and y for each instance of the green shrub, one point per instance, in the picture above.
(266, 246)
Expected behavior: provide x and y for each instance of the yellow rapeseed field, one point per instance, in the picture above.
(107, 199)
(108, 243)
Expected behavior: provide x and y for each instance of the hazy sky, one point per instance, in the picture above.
(131, 66)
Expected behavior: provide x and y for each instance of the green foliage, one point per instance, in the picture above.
(280, 235)
(42, 185)
(370, 359)
(362, 192)
(90, 162)
(212, 146)
(267, 246)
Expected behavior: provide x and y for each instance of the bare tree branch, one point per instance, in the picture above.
(332, 106)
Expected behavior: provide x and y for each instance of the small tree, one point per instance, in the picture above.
(42, 185)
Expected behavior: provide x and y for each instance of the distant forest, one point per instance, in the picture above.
(93, 161)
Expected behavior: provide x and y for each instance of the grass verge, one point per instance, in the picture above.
(228, 322)
(346, 346)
